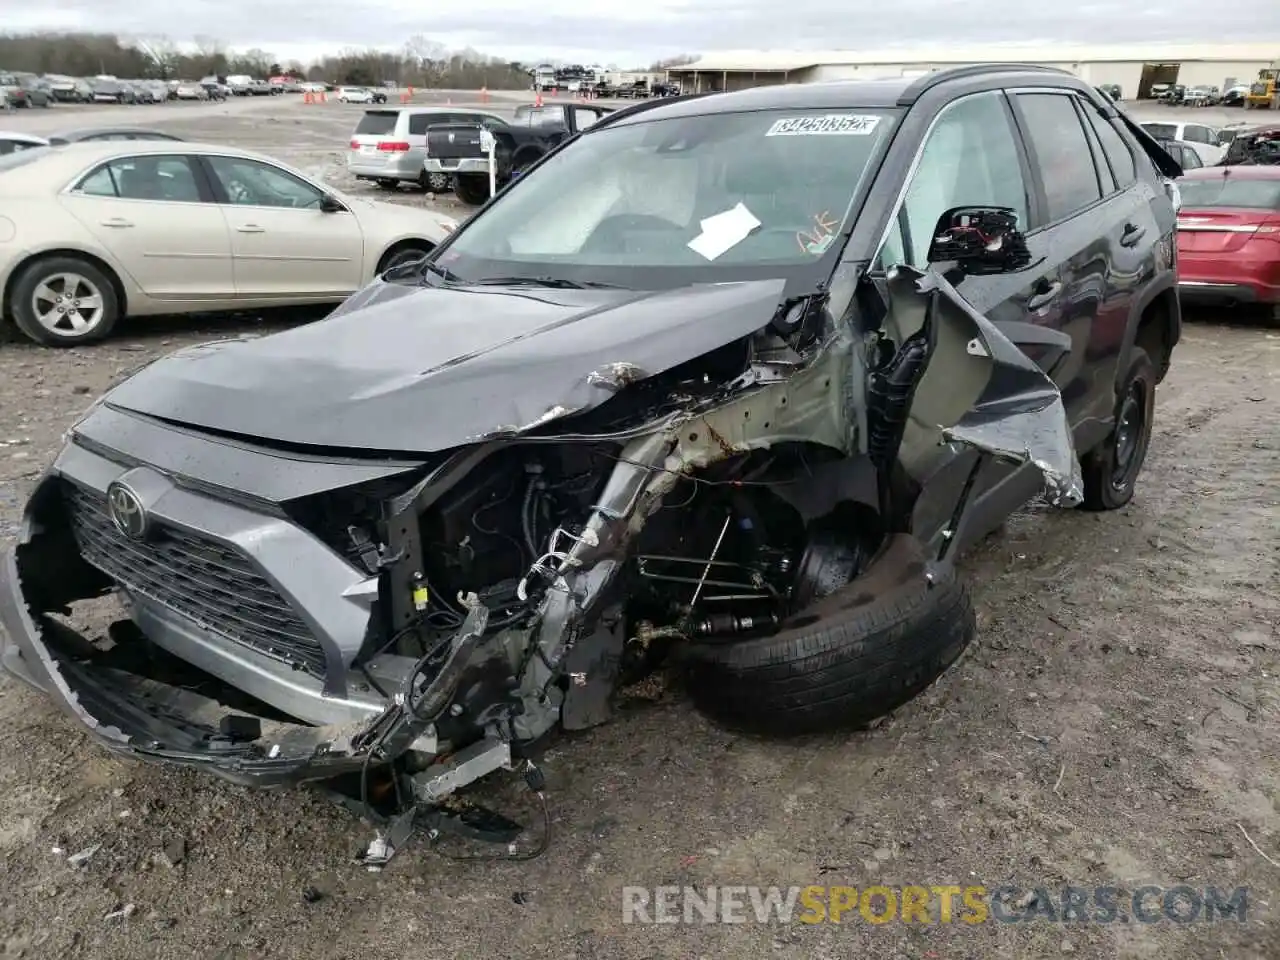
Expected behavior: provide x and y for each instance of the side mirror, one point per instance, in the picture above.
(979, 241)
(331, 204)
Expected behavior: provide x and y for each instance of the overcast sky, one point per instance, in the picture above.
(638, 31)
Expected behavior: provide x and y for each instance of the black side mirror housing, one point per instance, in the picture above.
(979, 241)
(330, 204)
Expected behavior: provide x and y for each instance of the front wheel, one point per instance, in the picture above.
(855, 655)
(64, 302)
(402, 255)
(1110, 470)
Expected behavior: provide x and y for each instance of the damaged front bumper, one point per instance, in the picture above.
(145, 720)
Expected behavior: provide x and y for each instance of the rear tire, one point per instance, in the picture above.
(35, 309)
(1110, 470)
(854, 656)
(471, 188)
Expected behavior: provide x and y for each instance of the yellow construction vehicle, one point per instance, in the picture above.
(1263, 90)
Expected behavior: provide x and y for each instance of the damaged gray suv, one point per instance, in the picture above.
(722, 384)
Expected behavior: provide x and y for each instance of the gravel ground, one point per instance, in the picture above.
(1118, 723)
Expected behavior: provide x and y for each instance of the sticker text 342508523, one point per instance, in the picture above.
(829, 125)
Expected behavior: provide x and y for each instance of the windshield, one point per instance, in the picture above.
(1230, 192)
(679, 200)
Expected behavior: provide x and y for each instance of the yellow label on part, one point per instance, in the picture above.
(420, 597)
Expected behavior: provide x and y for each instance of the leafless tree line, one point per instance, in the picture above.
(422, 61)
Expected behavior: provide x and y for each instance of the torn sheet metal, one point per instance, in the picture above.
(981, 390)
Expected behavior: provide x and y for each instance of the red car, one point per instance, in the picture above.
(1229, 235)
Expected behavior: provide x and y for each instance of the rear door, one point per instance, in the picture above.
(1098, 234)
(154, 214)
(283, 245)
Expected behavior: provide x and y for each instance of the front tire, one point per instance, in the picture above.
(64, 302)
(402, 255)
(853, 656)
(1110, 470)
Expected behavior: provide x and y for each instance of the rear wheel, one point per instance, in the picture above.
(1111, 469)
(471, 188)
(64, 302)
(435, 182)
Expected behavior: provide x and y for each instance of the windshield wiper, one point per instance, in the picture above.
(430, 266)
(559, 282)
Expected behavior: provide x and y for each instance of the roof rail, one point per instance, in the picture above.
(922, 85)
(631, 109)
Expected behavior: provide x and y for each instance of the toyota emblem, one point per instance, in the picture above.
(451, 138)
(127, 512)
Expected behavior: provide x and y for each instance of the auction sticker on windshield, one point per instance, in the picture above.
(831, 125)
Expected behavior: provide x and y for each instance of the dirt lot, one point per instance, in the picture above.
(1118, 723)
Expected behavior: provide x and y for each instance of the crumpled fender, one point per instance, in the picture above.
(978, 389)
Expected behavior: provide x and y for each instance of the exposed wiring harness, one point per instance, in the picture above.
(537, 783)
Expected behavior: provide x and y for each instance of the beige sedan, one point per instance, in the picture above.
(92, 232)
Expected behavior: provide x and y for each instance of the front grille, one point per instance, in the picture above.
(208, 582)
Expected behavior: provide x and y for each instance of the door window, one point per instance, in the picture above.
(252, 183)
(969, 159)
(1114, 147)
(1194, 133)
(1062, 153)
(584, 118)
(161, 178)
(419, 122)
(1190, 159)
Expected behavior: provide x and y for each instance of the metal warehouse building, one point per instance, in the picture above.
(1134, 68)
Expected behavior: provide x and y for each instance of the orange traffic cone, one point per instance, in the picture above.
(484, 94)
(308, 97)
(537, 101)
(324, 97)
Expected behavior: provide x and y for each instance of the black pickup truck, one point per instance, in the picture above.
(457, 149)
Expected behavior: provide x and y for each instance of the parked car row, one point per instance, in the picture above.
(29, 90)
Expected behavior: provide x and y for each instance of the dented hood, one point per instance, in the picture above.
(424, 369)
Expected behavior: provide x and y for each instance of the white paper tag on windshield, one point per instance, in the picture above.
(723, 232)
(831, 125)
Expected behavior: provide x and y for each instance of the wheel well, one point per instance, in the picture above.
(1155, 331)
(426, 246)
(107, 271)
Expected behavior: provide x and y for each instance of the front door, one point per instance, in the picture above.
(284, 245)
(974, 157)
(152, 213)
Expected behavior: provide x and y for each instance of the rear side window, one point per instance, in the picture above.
(1100, 164)
(377, 123)
(418, 122)
(1113, 147)
(1197, 134)
(20, 158)
(1061, 152)
(1231, 192)
(1161, 131)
